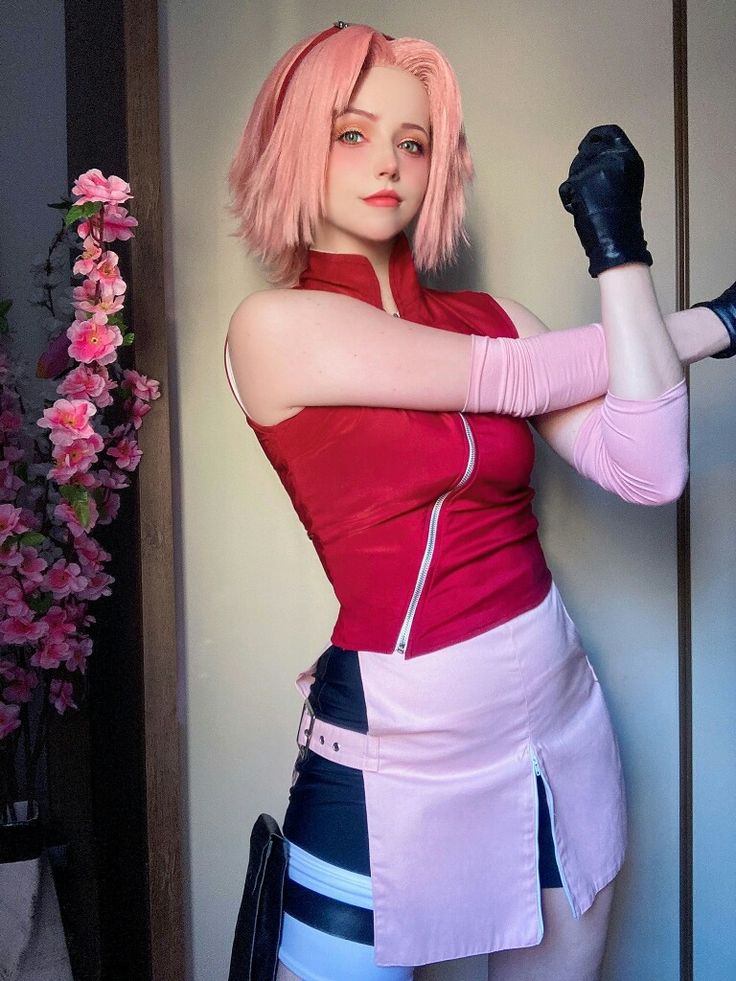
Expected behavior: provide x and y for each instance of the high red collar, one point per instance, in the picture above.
(353, 275)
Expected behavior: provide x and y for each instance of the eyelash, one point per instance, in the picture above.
(419, 151)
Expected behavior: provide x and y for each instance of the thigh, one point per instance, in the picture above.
(571, 950)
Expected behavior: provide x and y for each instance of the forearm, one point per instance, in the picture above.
(696, 334)
(642, 360)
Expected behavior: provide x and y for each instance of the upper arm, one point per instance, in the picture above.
(559, 428)
(293, 348)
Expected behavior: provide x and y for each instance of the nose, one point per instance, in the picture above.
(387, 162)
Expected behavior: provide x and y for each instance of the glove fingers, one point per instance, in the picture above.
(601, 141)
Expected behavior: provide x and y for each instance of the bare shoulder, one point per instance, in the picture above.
(527, 323)
(258, 310)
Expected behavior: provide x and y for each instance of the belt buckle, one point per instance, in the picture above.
(308, 731)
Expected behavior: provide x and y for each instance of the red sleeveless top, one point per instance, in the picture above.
(422, 520)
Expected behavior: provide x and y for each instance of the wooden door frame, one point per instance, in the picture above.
(156, 525)
(113, 122)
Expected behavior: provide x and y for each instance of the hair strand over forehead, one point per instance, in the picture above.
(277, 176)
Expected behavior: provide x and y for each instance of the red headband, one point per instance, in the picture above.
(337, 26)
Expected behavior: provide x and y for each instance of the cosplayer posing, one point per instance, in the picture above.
(459, 789)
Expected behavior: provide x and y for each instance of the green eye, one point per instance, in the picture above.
(351, 136)
(412, 146)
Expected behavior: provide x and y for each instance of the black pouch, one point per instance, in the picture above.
(258, 930)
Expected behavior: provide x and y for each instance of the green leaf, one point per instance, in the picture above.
(78, 498)
(40, 602)
(62, 205)
(73, 493)
(128, 339)
(32, 538)
(85, 210)
(117, 319)
(81, 509)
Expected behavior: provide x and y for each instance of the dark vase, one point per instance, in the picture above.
(32, 942)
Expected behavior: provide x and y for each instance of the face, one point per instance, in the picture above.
(378, 165)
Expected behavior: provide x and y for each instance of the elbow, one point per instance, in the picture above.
(666, 489)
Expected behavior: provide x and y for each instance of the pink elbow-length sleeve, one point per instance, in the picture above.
(637, 449)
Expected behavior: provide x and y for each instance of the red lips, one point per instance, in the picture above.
(384, 199)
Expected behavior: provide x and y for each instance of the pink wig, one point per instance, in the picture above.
(277, 176)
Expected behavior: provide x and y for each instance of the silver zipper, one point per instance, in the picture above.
(551, 807)
(403, 639)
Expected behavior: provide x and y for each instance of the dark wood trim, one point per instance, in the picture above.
(133, 743)
(684, 584)
(157, 581)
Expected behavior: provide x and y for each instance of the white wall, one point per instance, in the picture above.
(256, 609)
(713, 487)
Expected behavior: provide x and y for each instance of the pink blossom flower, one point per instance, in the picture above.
(55, 358)
(98, 586)
(117, 224)
(66, 514)
(80, 650)
(10, 522)
(136, 410)
(126, 453)
(91, 552)
(140, 385)
(115, 479)
(59, 621)
(10, 590)
(82, 382)
(64, 577)
(13, 453)
(61, 695)
(22, 630)
(7, 669)
(75, 458)
(8, 719)
(109, 509)
(94, 340)
(88, 257)
(92, 186)
(28, 564)
(108, 305)
(21, 687)
(50, 653)
(87, 480)
(91, 383)
(68, 421)
(87, 292)
(106, 273)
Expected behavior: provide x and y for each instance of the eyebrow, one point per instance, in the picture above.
(370, 115)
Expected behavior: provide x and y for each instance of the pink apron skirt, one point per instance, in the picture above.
(451, 806)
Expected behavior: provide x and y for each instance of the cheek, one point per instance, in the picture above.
(417, 169)
(344, 161)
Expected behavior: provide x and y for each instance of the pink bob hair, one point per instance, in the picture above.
(277, 176)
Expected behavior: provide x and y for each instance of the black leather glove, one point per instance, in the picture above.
(603, 194)
(724, 307)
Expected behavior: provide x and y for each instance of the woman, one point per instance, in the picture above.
(459, 788)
